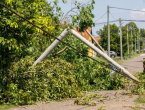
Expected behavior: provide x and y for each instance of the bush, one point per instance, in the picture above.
(93, 76)
(53, 79)
(140, 87)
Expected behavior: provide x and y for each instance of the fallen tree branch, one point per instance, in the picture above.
(61, 51)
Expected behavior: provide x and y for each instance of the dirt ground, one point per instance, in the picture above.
(116, 100)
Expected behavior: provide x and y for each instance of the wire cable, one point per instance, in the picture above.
(134, 20)
(106, 22)
(112, 16)
(101, 17)
(127, 9)
(118, 20)
(104, 64)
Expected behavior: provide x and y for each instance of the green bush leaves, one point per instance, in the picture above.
(53, 79)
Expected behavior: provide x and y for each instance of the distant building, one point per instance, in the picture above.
(97, 38)
(91, 53)
(86, 35)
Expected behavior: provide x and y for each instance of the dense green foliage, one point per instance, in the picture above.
(53, 79)
(85, 18)
(114, 38)
(60, 76)
(141, 87)
(94, 76)
(16, 35)
(142, 32)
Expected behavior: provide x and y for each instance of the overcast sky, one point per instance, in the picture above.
(100, 8)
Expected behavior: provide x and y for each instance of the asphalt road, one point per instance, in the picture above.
(135, 65)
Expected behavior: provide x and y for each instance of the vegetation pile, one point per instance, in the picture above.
(53, 79)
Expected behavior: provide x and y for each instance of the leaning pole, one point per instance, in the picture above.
(105, 56)
(51, 47)
(95, 41)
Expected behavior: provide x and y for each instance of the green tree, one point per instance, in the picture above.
(114, 38)
(21, 43)
(135, 34)
(142, 32)
(124, 40)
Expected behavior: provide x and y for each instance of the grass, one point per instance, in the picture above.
(6, 106)
(117, 59)
(87, 99)
(122, 61)
(140, 99)
(138, 108)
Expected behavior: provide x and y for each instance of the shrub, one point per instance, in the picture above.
(53, 79)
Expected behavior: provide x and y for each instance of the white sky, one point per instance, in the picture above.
(100, 8)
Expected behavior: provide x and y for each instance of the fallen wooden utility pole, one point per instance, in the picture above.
(97, 50)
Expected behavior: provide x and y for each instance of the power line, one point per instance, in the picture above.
(112, 16)
(101, 17)
(127, 9)
(121, 20)
(135, 20)
(98, 25)
(106, 22)
(108, 66)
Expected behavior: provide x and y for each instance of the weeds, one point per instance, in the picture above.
(6, 106)
(140, 99)
(87, 100)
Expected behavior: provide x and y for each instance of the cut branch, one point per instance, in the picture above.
(61, 51)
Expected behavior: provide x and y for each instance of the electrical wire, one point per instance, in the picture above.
(126, 9)
(101, 17)
(106, 22)
(134, 20)
(121, 20)
(112, 15)
(108, 65)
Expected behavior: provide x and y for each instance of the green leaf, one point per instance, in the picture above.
(1, 39)
(64, 1)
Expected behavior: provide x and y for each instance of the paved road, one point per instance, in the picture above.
(135, 65)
